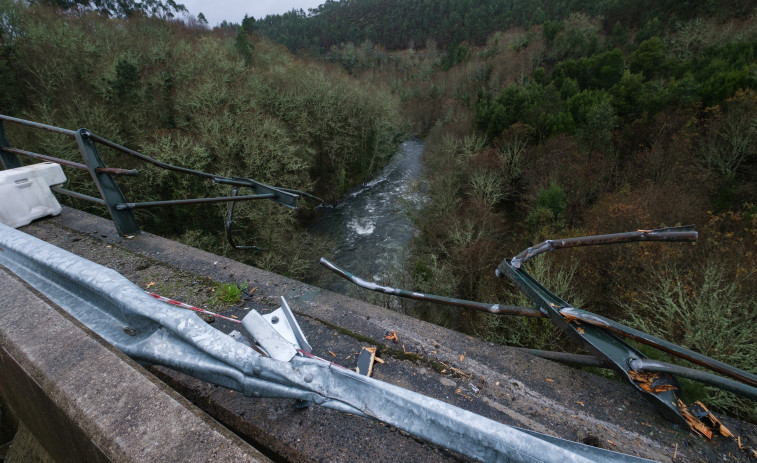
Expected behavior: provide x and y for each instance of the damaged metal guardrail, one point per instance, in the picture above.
(113, 199)
(655, 380)
(152, 332)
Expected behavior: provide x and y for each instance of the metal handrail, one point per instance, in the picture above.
(113, 199)
(599, 335)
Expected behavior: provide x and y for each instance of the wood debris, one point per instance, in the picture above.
(456, 371)
(460, 393)
(393, 337)
(696, 414)
(650, 381)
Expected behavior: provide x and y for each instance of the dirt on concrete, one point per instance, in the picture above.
(503, 384)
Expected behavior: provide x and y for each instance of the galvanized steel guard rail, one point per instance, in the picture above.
(152, 332)
(112, 198)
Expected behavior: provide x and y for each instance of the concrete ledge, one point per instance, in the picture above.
(84, 401)
(503, 384)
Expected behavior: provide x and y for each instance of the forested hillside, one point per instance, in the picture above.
(558, 119)
(221, 101)
(402, 24)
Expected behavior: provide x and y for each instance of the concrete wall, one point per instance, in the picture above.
(82, 401)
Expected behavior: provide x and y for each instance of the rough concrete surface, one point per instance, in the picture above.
(504, 384)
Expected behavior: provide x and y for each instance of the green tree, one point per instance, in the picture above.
(649, 58)
(248, 24)
(243, 46)
(628, 94)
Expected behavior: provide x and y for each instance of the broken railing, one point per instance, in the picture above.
(655, 380)
(278, 364)
(112, 198)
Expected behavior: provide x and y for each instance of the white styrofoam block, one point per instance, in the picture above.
(25, 193)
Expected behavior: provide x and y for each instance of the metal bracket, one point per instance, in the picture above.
(229, 218)
(124, 220)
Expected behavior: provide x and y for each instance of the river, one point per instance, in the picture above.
(371, 227)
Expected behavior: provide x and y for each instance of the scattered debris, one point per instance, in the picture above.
(332, 354)
(550, 380)
(695, 415)
(473, 388)
(460, 393)
(651, 381)
(365, 361)
(150, 284)
(393, 337)
(462, 357)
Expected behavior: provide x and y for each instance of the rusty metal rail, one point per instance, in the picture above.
(600, 336)
(113, 199)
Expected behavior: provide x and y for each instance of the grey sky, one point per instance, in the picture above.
(234, 10)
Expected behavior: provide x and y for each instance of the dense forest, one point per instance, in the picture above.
(558, 119)
(403, 24)
(543, 119)
(220, 101)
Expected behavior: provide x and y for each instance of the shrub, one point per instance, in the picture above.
(534, 333)
(708, 315)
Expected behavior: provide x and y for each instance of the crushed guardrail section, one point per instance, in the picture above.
(656, 380)
(152, 332)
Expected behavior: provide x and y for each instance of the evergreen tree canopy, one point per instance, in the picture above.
(121, 8)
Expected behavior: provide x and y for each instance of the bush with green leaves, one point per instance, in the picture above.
(707, 314)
